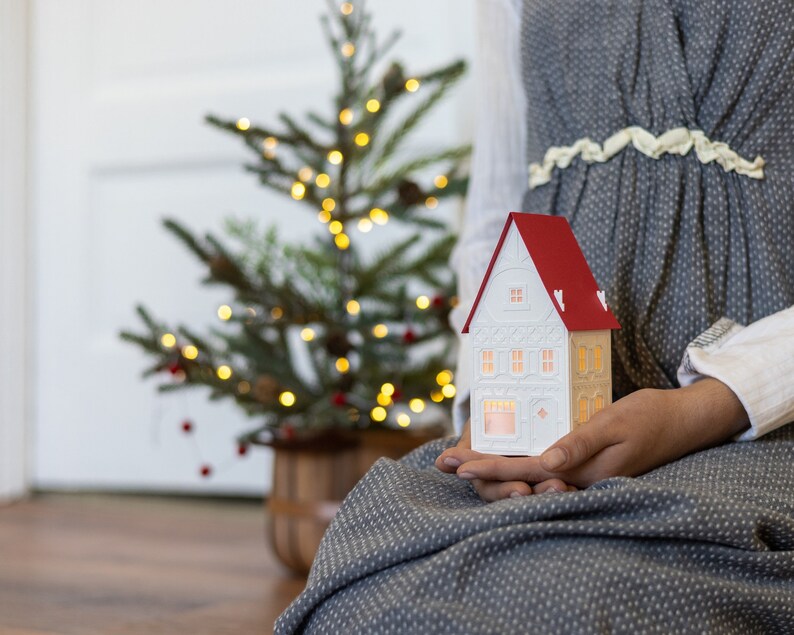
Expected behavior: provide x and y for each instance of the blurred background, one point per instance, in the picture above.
(102, 134)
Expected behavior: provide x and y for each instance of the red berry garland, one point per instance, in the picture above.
(206, 471)
(187, 426)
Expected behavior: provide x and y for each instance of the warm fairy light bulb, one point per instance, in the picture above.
(243, 387)
(189, 352)
(353, 307)
(380, 330)
(323, 216)
(403, 420)
(298, 190)
(422, 302)
(287, 398)
(448, 391)
(443, 378)
(305, 173)
(437, 396)
(322, 180)
(440, 181)
(365, 225)
(345, 116)
(342, 241)
(335, 227)
(168, 340)
(416, 405)
(346, 8)
(378, 414)
(348, 49)
(412, 85)
(431, 202)
(373, 105)
(269, 143)
(362, 139)
(379, 216)
(335, 157)
(224, 312)
(329, 204)
(276, 312)
(307, 334)
(243, 123)
(342, 365)
(223, 372)
(383, 400)
(387, 389)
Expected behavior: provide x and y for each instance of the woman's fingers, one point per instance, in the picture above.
(452, 458)
(577, 447)
(502, 468)
(553, 485)
(491, 491)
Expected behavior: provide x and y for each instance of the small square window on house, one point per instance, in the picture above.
(516, 295)
(487, 363)
(517, 359)
(548, 361)
(500, 417)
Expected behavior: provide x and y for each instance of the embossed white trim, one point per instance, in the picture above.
(675, 141)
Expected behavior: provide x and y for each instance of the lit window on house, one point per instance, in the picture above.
(599, 403)
(500, 416)
(582, 409)
(517, 359)
(582, 359)
(597, 359)
(516, 295)
(487, 363)
(547, 361)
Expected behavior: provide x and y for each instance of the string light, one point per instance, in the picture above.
(416, 405)
(168, 340)
(412, 85)
(224, 312)
(437, 396)
(378, 414)
(243, 387)
(342, 365)
(364, 225)
(454, 301)
(448, 391)
(383, 400)
(243, 123)
(223, 372)
(362, 139)
(287, 398)
(440, 181)
(298, 190)
(329, 204)
(353, 307)
(379, 216)
(305, 173)
(323, 216)
(403, 420)
(189, 352)
(373, 105)
(387, 389)
(322, 180)
(431, 202)
(307, 334)
(422, 302)
(443, 378)
(251, 311)
(335, 227)
(335, 157)
(380, 330)
(342, 241)
(345, 116)
(346, 8)
(276, 312)
(348, 49)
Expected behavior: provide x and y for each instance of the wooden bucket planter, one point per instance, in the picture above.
(311, 477)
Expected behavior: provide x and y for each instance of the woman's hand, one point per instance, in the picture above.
(634, 435)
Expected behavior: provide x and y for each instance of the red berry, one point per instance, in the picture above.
(206, 471)
(397, 395)
(438, 301)
(409, 337)
(242, 449)
(339, 399)
(174, 368)
(187, 426)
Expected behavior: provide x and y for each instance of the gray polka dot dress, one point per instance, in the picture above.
(706, 543)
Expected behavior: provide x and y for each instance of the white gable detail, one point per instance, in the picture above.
(602, 296)
(558, 295)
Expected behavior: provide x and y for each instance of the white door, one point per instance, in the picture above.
(120, 90)
(544, 423)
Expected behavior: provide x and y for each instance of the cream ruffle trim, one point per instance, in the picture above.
(676, 141)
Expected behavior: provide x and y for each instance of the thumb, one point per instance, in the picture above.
(574, 449)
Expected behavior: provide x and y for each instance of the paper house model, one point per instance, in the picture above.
(540, 332)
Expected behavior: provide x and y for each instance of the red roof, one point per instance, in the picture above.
(562, 266)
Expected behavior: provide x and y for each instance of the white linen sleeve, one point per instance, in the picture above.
(756, 362)
(499, 168)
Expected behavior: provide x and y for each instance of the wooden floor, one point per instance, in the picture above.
(103, 565)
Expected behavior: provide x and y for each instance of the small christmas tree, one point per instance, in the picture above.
(374, 327)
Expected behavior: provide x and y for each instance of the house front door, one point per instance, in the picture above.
(544, 424)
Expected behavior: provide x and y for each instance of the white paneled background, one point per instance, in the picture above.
(119, 90)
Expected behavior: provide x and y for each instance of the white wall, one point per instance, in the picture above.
(119, 93)
(14, 309)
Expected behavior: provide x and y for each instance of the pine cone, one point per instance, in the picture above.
(266, 389)
(393, 80)
(409, 193)
(337, 343)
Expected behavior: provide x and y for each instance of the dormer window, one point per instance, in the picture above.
(516, 295)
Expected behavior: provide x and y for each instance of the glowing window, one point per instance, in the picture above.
(487, 363)
(582, 359)
(516, 295)
(500, 416)
(547, 361)
(582, 409)
(599, 403)
(597, 360)
(517, 359)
